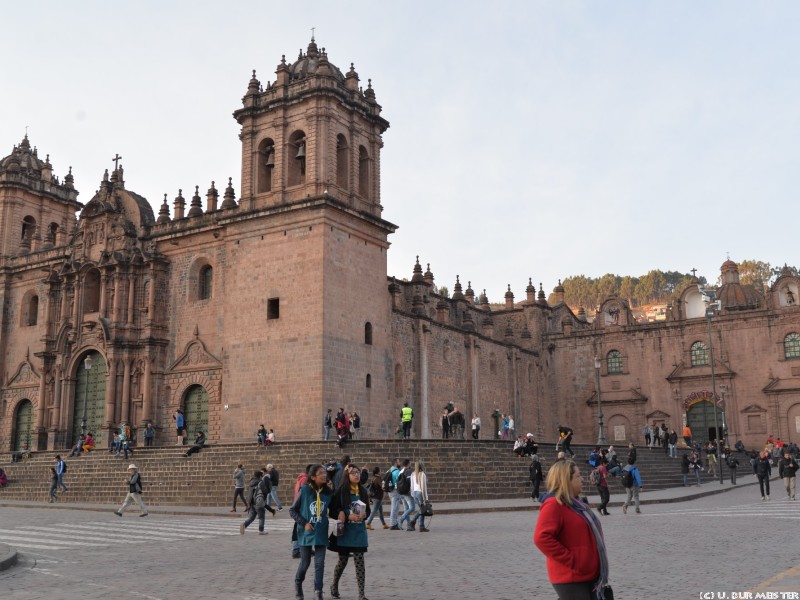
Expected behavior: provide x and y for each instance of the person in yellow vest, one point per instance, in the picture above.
(406, 416)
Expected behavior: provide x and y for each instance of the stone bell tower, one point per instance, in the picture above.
(310, 132)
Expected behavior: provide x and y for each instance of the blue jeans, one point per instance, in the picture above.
(673, 451)
(252, 517)
(408, 502)
(395, 509)
(61, 482)
(697, 474)
(326, 436)
(377, 509)
(273, 495)
(305, 561)
(417, 496)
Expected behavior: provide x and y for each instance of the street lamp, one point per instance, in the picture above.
(601, 436)
(87, 365)
(709, 313)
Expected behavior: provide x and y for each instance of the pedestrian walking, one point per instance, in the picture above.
(61, 469)
(53, 484)
(375, 493)
(134, 483)
(180, 423)
(733, 464)
(419, 491)
(327, 423)
(274, 479)
(238, 487)
(787, 469)
(632, 481)
(565, 439)
(350, 506)
(602, 488)
(149, 435)
(310, 513)
(536, 476)
(476, 427)
(258, 490)
(763, 471)
(570, 536)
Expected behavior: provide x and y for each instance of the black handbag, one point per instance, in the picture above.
(608, 593)
(427, 509)
(333, 543)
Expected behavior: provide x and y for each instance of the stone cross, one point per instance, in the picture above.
(116, 160)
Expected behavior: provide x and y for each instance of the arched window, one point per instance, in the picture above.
(28, 227)
(91, 291)
(369, 380)
(204, 282)
(791, 345)
(33, 310)
(699, 354)
(52, 232)
(342, 162)
(368, 333)
(363, 172)
(296, 160)
(614, 362)
(266, 165)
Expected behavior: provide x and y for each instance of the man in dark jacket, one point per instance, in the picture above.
(274, 479)
(536, 476)
(257, 491)
(763, 471)
(787, 469)
(631, 453)
(199, 442)
(565, 439)
(733, 464)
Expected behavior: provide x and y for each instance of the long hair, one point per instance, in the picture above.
(343, 491)
(418, 468)
(559, 482)
(312, 470)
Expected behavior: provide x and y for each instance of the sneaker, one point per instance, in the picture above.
(144, 514)
(241, 529)
(424, 530)
(638, 512)
(394, 528)
(233, 510)
(624, 510)
(768, 498)
(385, 526)
(763, 498)
(369, 527)
(295, 555)
(280, 508)
(116, 512)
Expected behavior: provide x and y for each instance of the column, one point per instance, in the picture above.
(131, 297)
(117, 294)
(147, 398)
(126, 390)
(42, 393)
(473, 358)
(151, 300)
(103, 287)
(76, 305)
(111, 391)
(422, 329)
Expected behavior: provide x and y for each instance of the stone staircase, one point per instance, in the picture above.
(457, 470)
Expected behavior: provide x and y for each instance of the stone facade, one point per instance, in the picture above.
(275, 307)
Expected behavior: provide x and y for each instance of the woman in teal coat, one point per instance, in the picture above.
(353, 539)
(310, 512)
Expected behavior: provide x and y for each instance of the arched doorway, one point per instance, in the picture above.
(195, 409)
(700, 418)
(90, 388)
(793, 416)
(23, 425)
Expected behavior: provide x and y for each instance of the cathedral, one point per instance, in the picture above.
(273, 306)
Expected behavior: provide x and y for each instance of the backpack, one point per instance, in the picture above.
(627, 478)
(404, 483)
(594, 477)
(64, 466)
(388, 482)
(259, 499)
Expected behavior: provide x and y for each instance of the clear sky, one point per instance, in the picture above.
(527, 139)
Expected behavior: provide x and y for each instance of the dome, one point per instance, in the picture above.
(735, 296)
(22, 158)
(314, 62)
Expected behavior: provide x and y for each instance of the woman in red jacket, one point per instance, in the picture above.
(571, 538)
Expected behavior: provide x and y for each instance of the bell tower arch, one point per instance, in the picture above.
(311, 132)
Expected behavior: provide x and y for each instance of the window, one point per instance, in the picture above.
(363, 172)
(699, 354)
(91, 291)
(791, 345)
(341, 162)
(296, 167)
(266, 165)
(204, 282)
(33, 310)
(614, 362)
(369, 380)
(273, 308)
(368, 334)
(52, 233)
(28, 227)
